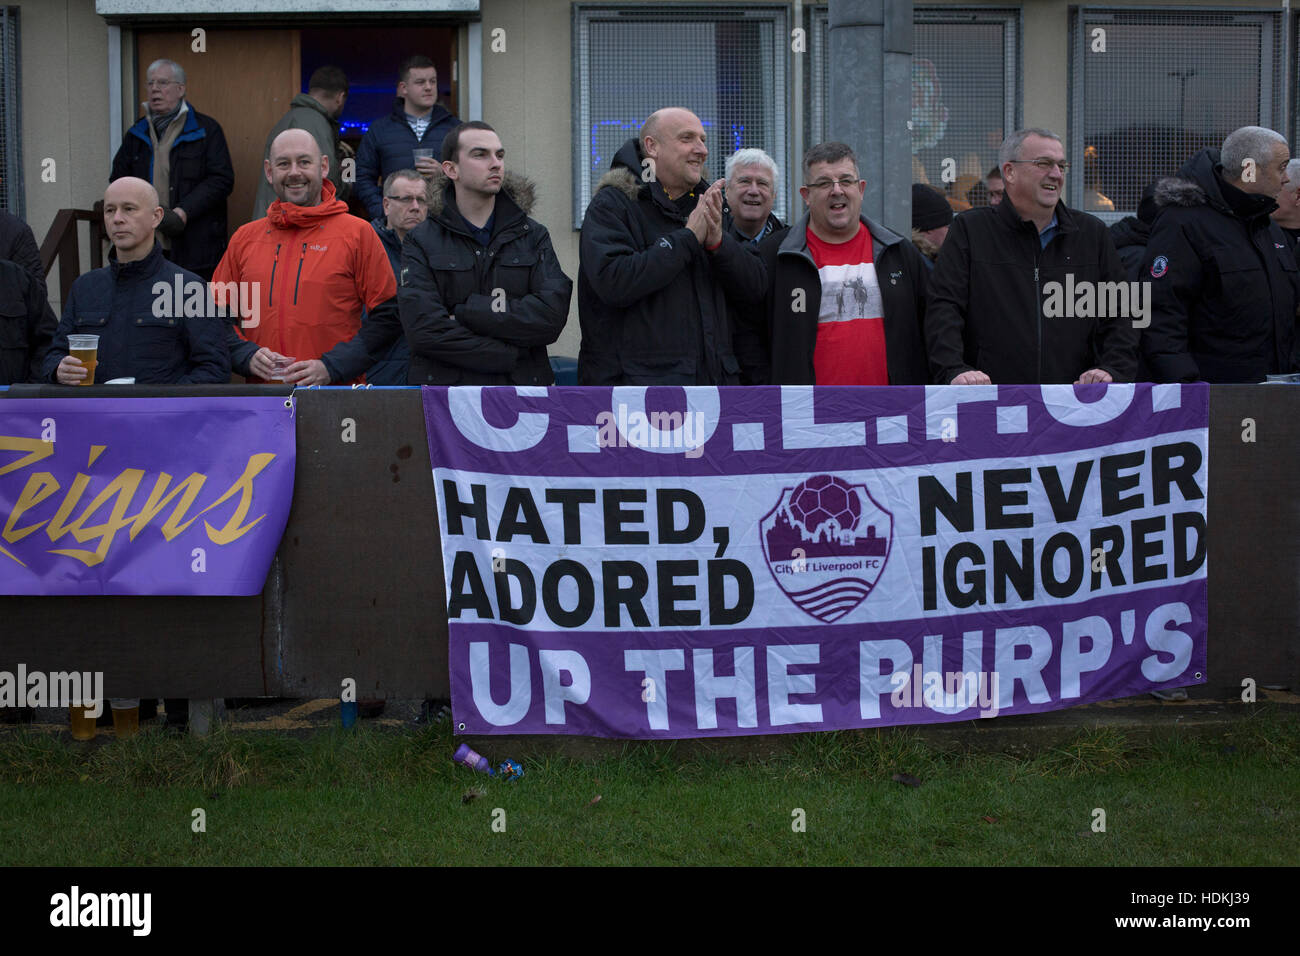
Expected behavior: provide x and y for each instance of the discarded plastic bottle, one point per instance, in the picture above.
(473, 760)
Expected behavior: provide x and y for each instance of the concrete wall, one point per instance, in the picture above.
(65, 110)
(527, 95)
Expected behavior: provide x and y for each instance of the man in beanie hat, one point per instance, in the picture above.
(931, 215)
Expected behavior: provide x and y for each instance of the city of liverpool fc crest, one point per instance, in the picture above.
(826, 543)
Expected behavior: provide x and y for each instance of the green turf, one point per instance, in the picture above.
(380, 796)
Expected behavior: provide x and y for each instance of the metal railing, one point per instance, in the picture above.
(63, 242)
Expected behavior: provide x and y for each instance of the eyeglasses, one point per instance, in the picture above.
(407, 200)
(823, 184)
(1045, 164)
(159, 84)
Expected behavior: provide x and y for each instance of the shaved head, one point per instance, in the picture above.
(129, 187)
(131, 214)
(296, 141)
(673, 141)
(651, 127)
(296, 168)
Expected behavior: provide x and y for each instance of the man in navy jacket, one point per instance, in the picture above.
(417, 122)
(196, 178)
(132, 305)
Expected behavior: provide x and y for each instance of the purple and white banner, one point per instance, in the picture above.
(143, 495)
(690, 562)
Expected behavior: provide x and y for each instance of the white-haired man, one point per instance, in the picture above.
(752, 178)
(1287, 213)
(1224, 281)
(183, 154)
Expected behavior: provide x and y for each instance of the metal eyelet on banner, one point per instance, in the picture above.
(460, 726)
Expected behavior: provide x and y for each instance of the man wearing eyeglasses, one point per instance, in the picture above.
(988, 319)
(406, 205)
(482, 292)
(845, 302)
(183, 153)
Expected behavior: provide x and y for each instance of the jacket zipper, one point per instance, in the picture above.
(270, 292)
(299, 275)
(1038, 306)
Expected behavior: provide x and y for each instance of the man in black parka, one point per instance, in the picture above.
(657, 269)
(1223, 276)
(482, 293)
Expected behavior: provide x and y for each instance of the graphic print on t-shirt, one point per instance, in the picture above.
(850, 347)
(850, 292)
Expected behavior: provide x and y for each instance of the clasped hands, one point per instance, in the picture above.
(705, 219)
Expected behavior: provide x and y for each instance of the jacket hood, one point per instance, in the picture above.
(307, 101)
(1199, 183)
(1130, 231)
(521, 189)
(285, 215)
(1195, 185)
(924, 246)
(625, 171)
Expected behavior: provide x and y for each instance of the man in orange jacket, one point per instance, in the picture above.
(302, 277)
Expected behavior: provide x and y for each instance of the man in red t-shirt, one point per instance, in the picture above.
(846, 297)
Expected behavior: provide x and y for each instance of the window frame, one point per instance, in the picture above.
(14, 193)
(583, 14)
(1272, 106)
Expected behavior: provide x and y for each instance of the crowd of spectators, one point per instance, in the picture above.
(680, 282)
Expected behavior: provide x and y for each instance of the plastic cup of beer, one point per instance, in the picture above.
(85, 348)
(126, 716)
(81, 721)
(279, 367)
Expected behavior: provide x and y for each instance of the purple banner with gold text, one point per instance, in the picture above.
(686, 562)
(143, 495)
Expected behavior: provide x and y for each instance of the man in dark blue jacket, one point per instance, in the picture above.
(406, 205)
(417, 122)
(183, 154)
(482, 292)
(141, 306)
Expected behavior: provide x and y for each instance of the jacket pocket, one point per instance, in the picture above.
(155, 344)
(514, 272)
(453, 274)
(91, 323)
(1235, 277)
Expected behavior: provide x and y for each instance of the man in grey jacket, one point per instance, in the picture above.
(317, 111)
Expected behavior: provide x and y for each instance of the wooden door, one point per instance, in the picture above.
(244, 80)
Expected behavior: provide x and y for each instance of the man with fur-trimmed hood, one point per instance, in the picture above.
(482, 293)
(657, 267)
(1224, 282)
